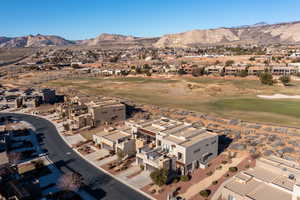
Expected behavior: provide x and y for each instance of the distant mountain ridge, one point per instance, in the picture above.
(105, 37)
(259, 33)
(34, 41)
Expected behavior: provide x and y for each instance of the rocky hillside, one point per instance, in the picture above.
(107, 38)
(263, 34)
(34, 41)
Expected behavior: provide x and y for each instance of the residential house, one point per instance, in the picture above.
(214, 69)
(284, 70)
(272, 178)
(116, 140)
(256, 70)
(176, 144)
(107, 111)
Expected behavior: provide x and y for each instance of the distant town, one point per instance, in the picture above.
(75, 120)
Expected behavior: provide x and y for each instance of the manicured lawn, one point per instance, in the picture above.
(282, 107)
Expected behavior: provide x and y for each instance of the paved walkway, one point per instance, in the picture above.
(124, 174)
(205, 183)
(140, 180)
(75, 139)
(100, 153)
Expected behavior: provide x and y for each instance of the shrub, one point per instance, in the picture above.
(224, 162)
(175, 180)
(184, 178)
(229, 63)
(266, 78)
(243, 73)
(252, 59)
(159, 177)
(148, 73)
(181, 72)
(120, 154)
(142, 167)
(209, 173)
(285, 79)
(219, 167)
(215, 182)
(205, 193)
(233, 169)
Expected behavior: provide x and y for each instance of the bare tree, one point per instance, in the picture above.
(14, 157)
(69, 182)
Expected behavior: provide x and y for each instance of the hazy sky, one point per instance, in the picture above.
(82, 19)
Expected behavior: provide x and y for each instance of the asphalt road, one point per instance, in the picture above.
(98, 184)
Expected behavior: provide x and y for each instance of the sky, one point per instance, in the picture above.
(83, 19)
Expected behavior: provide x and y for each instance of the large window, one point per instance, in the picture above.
(158, 142)
(179, 156)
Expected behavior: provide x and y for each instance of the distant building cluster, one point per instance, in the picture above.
(81, 115)
(27, 98)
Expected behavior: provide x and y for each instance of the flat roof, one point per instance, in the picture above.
(242, 188)
(261, 174)
(198, 138)
(113, 135)
(104, 103)
(264, 192)
(284, 182)
(257, 190)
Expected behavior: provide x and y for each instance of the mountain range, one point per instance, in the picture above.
(259, 33)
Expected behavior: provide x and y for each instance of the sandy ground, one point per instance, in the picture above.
(205, 183)
(279, 96)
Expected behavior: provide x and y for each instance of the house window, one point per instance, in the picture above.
(179, 156)
(158, 142)
(197, 150)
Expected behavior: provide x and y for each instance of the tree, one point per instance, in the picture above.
(124, 72)
(160, 177)
(217, 62)
(148, 73)
(205, 193)
(138, 70)
(69, 182)
(243, 73)
(120, 154)
(285, 79)
(229, 63)
(252, 59)
(233, 169)
(198, 71)
(14, 157)
(181, 72)
(266, 78)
